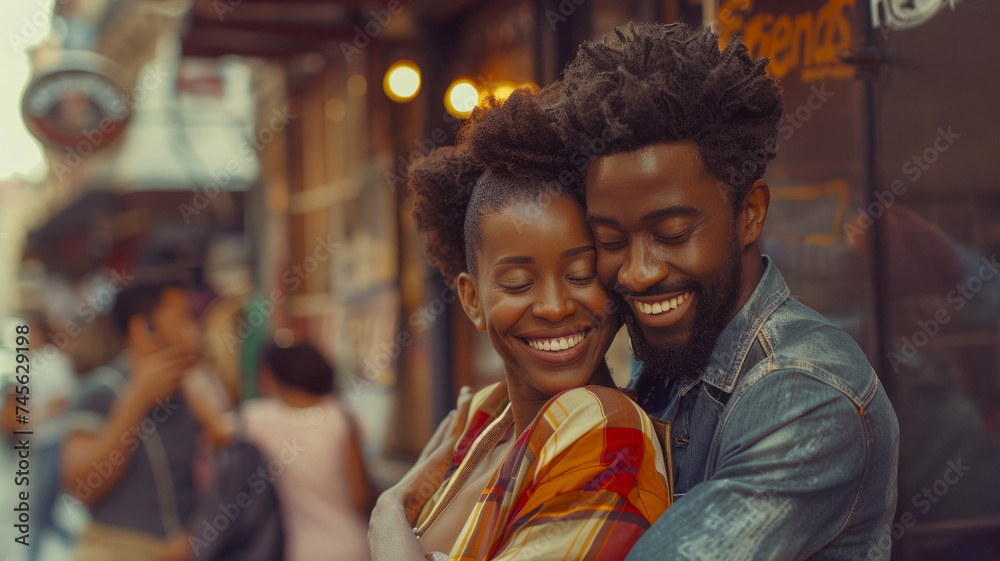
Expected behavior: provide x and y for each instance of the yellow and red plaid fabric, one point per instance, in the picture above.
(582, 482)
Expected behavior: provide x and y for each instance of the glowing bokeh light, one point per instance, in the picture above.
(402, 81)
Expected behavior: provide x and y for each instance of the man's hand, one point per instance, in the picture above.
(424, 478)
(158, 374)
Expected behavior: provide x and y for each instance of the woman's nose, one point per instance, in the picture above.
(555, 303)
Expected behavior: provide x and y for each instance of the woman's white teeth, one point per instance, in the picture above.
(559, 344)
(660, 307)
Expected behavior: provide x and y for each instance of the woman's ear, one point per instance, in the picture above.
(468, 294)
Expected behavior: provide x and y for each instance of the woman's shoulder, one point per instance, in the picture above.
(596, 405)
(598, 432)
(259, 407)
(486, 404)
(493, 396)
(587, 420)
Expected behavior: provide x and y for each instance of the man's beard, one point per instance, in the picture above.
(687, 360)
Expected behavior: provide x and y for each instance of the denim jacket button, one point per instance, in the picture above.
(681, 440)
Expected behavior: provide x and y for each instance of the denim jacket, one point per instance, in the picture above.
(784, 448)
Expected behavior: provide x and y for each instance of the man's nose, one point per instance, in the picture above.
(641, 269)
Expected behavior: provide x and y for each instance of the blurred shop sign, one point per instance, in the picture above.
(76, 103)
(200, 77)
(798, 36)
(906, 14)
(809, 214)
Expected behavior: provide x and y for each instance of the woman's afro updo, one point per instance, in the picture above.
(504, 153)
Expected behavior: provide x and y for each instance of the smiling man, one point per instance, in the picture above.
(784, 444)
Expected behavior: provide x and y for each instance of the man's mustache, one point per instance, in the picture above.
(659, 289)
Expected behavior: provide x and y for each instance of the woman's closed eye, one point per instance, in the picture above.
(612, 244)
(514, 286)
(582, 278)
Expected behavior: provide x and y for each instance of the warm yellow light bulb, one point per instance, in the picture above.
(402, 81)
(461, 98)
(503, 91)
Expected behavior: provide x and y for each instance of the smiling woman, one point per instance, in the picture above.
(554, 461)
(535, 293)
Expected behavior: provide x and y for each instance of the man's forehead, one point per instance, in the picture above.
(656, 176)
(674, 158)
(647, 159)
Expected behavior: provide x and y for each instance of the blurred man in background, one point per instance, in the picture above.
(131, 443)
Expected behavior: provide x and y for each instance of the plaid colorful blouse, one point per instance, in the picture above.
(582, 482)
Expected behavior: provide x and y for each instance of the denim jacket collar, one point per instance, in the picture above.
(736, 338)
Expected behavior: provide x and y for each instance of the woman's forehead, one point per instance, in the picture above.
(554, 222)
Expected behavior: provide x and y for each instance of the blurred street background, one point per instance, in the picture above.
(261, 147)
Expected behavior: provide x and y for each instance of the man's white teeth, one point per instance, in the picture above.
(559, 344)
(660, 307)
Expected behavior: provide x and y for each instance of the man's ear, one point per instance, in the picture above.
(140, 334)
(754, 213)
(468, 294)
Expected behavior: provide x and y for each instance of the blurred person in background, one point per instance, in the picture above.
(324, 488)
(52, 384)
(131, 436)
(232, 342)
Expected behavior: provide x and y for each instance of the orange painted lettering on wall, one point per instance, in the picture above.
(809, 41)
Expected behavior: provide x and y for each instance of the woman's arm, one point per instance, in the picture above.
(390, 530)
(202, 394)
(362, 489)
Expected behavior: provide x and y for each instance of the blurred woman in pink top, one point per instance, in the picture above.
(314, 456)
